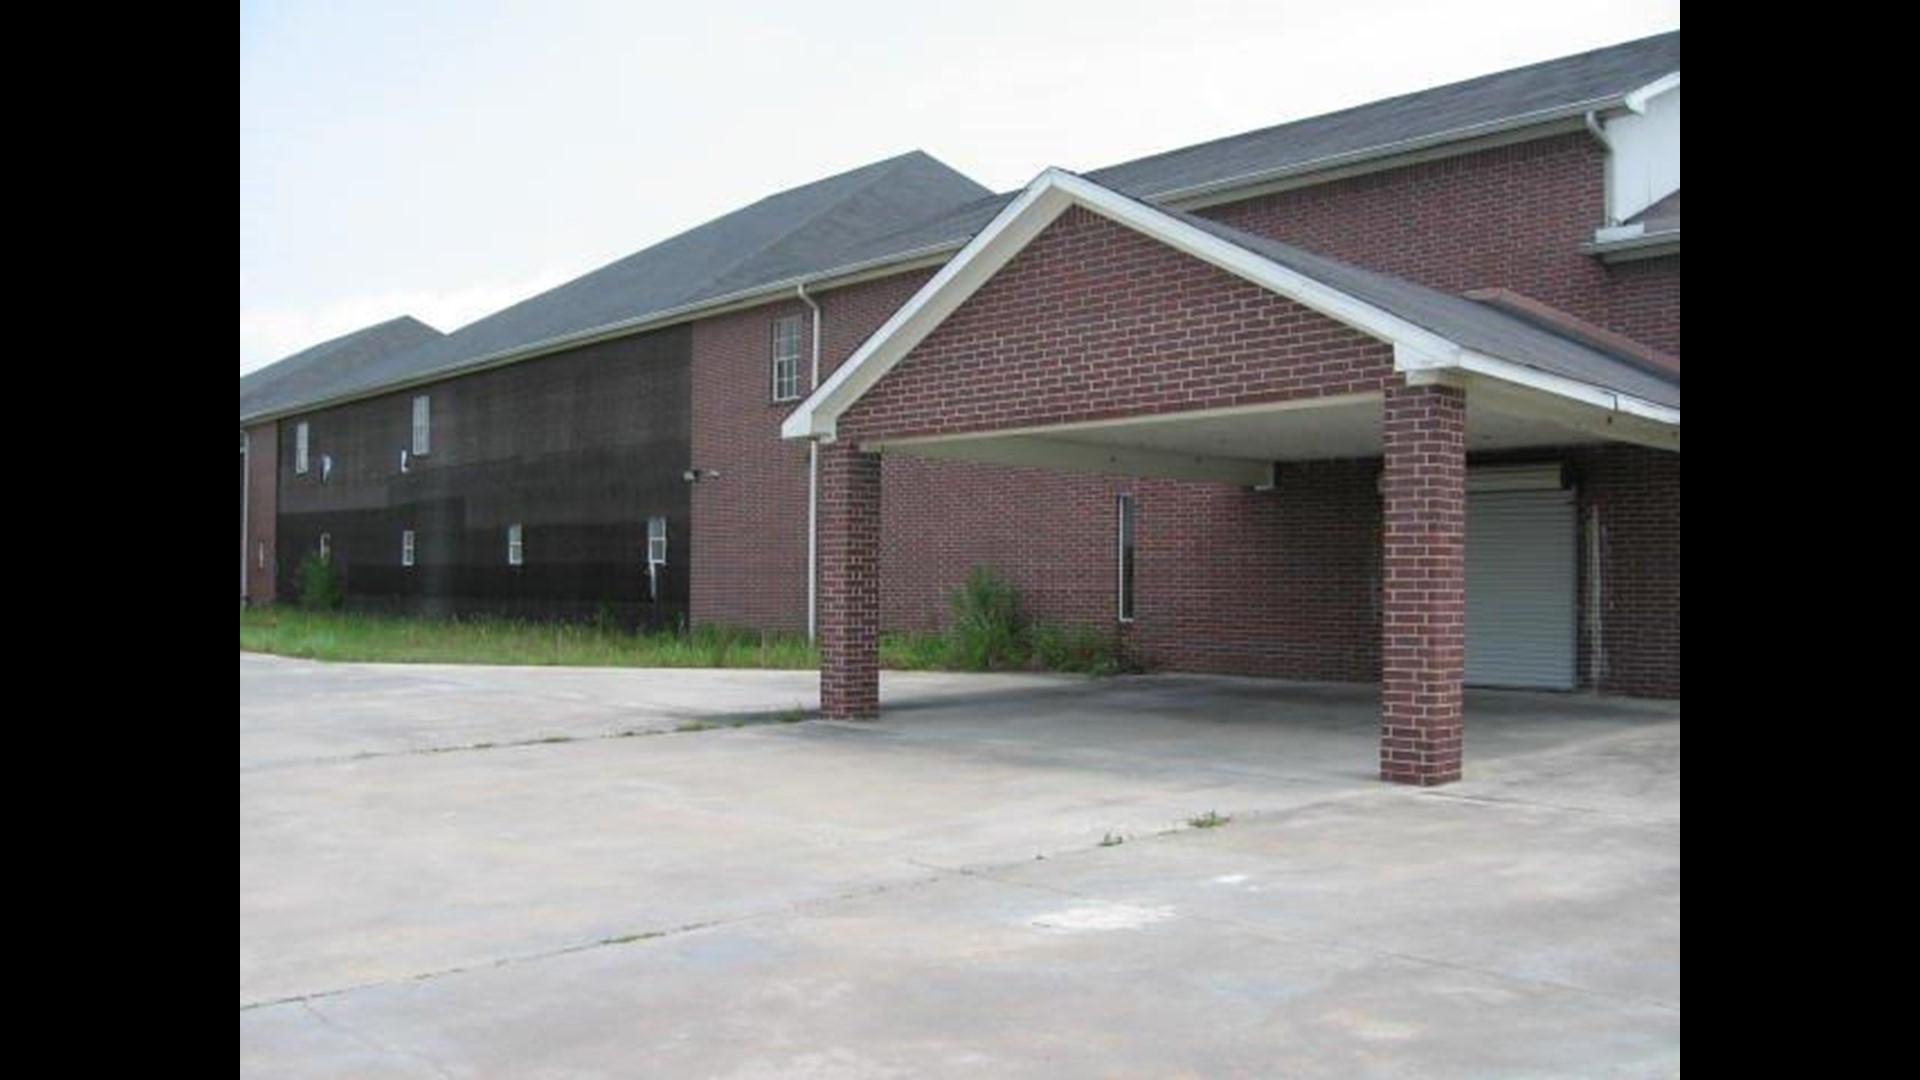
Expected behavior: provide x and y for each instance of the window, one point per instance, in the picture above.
(406, 547)
(786, 358)
(300, 447)
(1126, 557)
(422, 424)
(516, 553)
(326, 547)
(656, 554)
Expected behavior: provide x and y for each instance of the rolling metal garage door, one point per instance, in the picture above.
(1521, 550)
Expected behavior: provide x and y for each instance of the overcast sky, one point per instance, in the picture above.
(444, 158)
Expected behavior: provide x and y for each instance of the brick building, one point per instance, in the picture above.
(1389, 395)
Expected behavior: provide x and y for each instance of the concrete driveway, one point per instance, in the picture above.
(475, 872)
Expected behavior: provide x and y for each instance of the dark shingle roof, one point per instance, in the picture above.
(1480, 327)
(894, 208)
(1663, 216)
(311, 371)
(808, 229)
(1556, 86)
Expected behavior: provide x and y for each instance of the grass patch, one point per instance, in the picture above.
(357, 636)
(1208, 820)
(987, 632)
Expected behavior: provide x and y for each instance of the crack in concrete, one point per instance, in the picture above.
(368, 1040)
(796, 907)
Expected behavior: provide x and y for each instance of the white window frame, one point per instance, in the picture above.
(301, 443)
(1126, 531)
(656, 554)
(406, 547)
(788, 333)
(422, 424)
(516, 546)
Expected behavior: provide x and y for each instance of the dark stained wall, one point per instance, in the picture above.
(262, 461)
(579, 448)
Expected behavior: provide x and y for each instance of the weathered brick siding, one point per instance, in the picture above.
(1423, 634)
(1511, 217)
(263, 467)
(1286, 583)
(1093, 320)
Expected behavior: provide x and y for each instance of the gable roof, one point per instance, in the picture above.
(1537, 93)
(784, 237)
(312, 370)
(1430, 330)
(910, 209)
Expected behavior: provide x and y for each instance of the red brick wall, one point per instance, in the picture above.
(1511, 217)
(1093, 320)
(750, 557)
(1280, 584)
(263, 466)
(1423, 633)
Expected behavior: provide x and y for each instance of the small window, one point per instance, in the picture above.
(300, 447)
(1126, 557)
(516, 553)
(786, 358)
(326, 547)
(657, 540)
(656, 554)
(406, 547)
(422, 424)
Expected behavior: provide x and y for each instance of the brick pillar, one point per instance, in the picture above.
(849, 582)
(1424, 609)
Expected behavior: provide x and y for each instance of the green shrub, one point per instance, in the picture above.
(1082, 649)
(318, 583)
(989, 631)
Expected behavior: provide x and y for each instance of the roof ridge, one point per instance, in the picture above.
(1377, 102)
(892, 164)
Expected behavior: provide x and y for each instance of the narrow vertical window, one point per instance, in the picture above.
(326, 547)
(786, 358)
(422, 424)
(1126, 544)
(300, 447)
(656, 554)
(516, 554)
(406, 547)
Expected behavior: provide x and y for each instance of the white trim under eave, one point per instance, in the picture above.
(1637, 99)
(1557, 385)
(1017, 224)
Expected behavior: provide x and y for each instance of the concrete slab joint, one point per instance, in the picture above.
(849, 582)
(1424, 601)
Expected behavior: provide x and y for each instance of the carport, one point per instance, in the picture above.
(1084, 330)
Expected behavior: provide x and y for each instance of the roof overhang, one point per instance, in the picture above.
(1612, 245)
(1415, 348)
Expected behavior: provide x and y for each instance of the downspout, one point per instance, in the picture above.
(813, 475)
(1599, 133)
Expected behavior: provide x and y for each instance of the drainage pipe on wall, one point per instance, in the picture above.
(813, 474)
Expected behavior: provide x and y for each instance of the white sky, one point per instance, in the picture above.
(444, 158)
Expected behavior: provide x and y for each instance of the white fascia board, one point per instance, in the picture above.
(1637, 99)
(1571, 389)
(1044, 200)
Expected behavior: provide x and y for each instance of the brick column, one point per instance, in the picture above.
(1424, 613)
(849, 582)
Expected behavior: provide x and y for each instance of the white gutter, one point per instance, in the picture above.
(1599, 134)
(813, 479)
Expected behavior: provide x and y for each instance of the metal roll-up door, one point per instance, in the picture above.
(1521, 551)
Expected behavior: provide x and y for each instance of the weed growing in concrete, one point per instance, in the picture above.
(1208, 820)
(695, 725)
(1112, 840)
